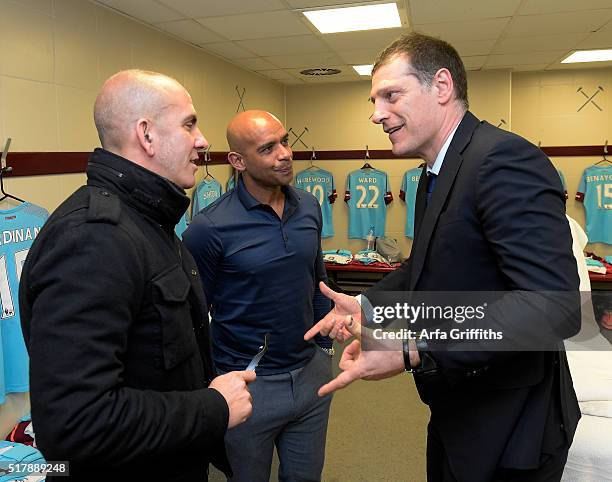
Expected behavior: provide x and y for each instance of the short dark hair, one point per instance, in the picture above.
(428, 55)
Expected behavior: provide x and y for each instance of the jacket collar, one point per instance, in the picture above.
(149, 193)
(426, 219)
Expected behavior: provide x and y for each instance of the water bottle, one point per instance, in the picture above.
(370, 239)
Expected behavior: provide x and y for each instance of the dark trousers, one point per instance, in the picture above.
(439, 470)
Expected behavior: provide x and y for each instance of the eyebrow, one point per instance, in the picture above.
(382, 92)
(263, 147)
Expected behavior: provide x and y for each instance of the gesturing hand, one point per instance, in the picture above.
(346, 311)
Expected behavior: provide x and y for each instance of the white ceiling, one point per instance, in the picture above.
(273, 38)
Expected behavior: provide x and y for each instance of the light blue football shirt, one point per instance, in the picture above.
(320, 183)
(19, 226)
(366, 193)
(205, 193)
(181, 226)
(408, 191)
(595, 192)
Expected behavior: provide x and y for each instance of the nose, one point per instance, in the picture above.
(379, 115)
(200, 140)
(285, 152)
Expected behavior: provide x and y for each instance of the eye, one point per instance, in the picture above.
(390, 96)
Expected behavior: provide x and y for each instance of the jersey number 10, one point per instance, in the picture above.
(317, 191)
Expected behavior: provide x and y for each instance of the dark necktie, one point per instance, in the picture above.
(431, 183)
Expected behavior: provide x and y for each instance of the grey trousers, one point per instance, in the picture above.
(288, 414)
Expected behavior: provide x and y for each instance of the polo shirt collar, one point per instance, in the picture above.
(249, 201)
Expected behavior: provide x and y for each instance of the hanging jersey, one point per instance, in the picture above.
(320, 183)
(20, 225)
(562, 177)
(205, 193)
(408, 191)
(230, 184)
(595, 192)
(181, 226)
(367, 195)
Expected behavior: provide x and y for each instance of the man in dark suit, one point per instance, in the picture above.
(490, 216)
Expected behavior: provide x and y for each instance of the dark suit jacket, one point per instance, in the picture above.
(496, 222)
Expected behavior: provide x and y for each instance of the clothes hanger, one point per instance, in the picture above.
(4, 169)
(367, 159)
(313, 157)
(605, 159)
(206, 162)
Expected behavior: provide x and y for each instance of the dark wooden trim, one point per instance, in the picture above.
(341, 155)
(41, 163)
(574, 151)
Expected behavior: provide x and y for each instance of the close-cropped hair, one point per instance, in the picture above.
(427, 55)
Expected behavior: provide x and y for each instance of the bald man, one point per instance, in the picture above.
(122, 379)
(258, 249)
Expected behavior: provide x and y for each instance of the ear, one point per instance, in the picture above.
(237, 161)
(444, 85)
(145, 136)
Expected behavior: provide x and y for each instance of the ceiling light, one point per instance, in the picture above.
(350, 19)
(363, 69)
(588, 56)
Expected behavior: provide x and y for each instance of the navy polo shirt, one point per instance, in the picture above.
(259, 274)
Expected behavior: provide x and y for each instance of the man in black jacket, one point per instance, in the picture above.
(489, 217)
(113, 312)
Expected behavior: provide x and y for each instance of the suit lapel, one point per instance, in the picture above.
(426, 217)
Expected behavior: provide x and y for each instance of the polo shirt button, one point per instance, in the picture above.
(104, 193)
(286, 238)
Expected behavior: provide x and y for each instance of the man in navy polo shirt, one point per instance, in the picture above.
(258, 249)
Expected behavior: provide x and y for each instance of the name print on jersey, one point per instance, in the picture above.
(19, 235)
